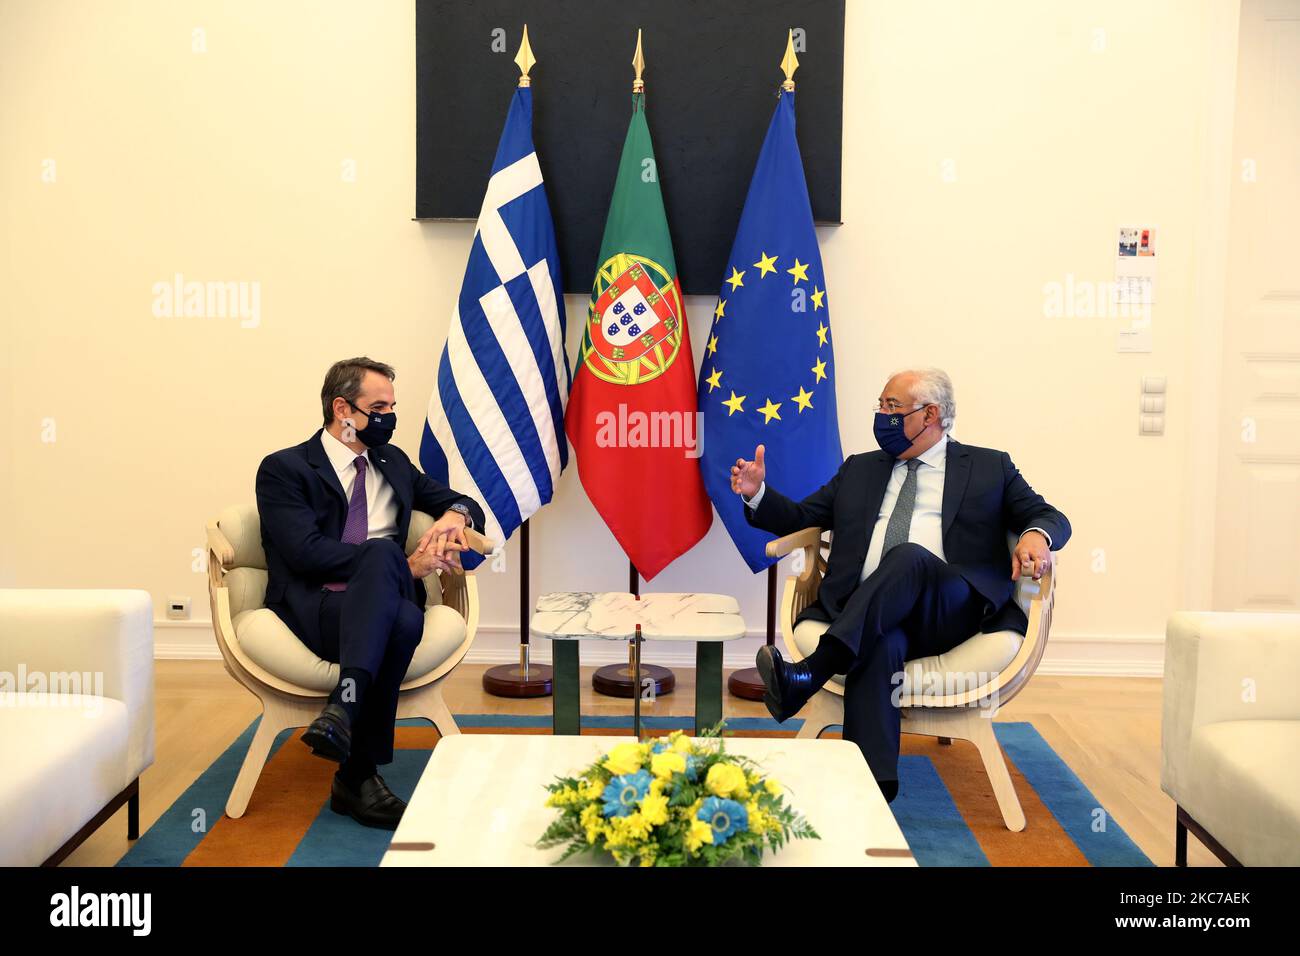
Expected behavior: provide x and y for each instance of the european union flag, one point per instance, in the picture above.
(768, 375)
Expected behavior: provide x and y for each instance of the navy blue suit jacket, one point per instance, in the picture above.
(984, 498)
(303, 507)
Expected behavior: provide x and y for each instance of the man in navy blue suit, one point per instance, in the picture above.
(335, 512)
(918, 561)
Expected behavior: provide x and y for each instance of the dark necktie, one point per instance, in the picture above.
(356, 526)
(900, 520)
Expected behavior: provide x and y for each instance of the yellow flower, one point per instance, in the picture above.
(592, 821)
(632, 828)
(593, 790)
(699, 834)
(625, 758)
(664, 765)
(772, 787)
(682, 744)
(654, 809)
(725, 779)
(562, 798)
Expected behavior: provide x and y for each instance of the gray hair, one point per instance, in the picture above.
(934, 387)
(343, 380)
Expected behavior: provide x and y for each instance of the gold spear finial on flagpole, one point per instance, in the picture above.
(638, 63)
(789, 63)
(525, 59)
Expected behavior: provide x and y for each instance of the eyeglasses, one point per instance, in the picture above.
(891, 406)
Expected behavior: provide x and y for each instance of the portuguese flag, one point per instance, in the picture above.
(631, 416)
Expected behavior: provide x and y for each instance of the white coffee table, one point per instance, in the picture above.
(481, 801)
(567, 617)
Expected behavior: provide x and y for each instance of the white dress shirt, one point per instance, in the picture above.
(927, 511)
(926, 528)
(381, 500)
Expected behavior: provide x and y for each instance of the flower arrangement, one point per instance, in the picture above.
(672, 802)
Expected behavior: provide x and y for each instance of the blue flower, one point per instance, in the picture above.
(692, 772)
(622, 793)
(659, 747)
(725, 816)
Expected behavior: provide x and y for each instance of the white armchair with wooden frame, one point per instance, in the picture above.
(264, 656)
(973, 679)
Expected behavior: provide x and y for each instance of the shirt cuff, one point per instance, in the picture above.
(1042, 532)
(752, 503)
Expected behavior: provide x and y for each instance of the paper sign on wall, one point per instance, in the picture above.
(1135, 285)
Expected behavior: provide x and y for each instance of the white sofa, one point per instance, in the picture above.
(1230, 737)
(76, 716)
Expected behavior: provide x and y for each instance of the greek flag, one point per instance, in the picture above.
(495, 425)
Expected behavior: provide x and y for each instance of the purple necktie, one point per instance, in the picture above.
(356, 525)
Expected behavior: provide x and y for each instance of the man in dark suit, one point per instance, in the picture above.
(918, 560)
(335, 513)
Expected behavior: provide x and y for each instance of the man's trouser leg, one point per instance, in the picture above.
(912, 605)
(374, 625)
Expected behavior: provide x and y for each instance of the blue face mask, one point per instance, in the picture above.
(379, 428)
(888, 429)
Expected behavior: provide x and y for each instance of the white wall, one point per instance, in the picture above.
(989, 149)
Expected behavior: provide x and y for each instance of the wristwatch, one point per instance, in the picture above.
(463, 510)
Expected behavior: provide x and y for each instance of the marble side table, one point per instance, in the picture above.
(567, 617)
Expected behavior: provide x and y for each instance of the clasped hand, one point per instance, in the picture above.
(439, 548)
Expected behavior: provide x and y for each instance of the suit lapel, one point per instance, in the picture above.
(956, 475)
(877, 481)
(387, 466)
(324, 468)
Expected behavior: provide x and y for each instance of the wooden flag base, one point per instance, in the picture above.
(746, 684)
(510, 680)
(617, 680)
(524, 679)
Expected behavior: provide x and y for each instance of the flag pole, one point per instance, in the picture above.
(746, 683)
(618, 680)
(526, 679)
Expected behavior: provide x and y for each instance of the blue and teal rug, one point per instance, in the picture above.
(945, 805)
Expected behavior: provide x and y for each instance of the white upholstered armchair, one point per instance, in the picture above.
(291, 682)
(949, 695)
(1230, 735)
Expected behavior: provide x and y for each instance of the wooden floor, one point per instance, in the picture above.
(1106, 728)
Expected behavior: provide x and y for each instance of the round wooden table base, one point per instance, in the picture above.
(509, 680)
(615, 680)
(746, 684)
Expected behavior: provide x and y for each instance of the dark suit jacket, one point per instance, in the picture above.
(303, 506)
(984, 498)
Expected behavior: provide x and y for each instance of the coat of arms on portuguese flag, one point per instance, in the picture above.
(635, 366)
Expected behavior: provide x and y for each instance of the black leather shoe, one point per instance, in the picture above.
(787, 686)
(372, 804)
(330, 734)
